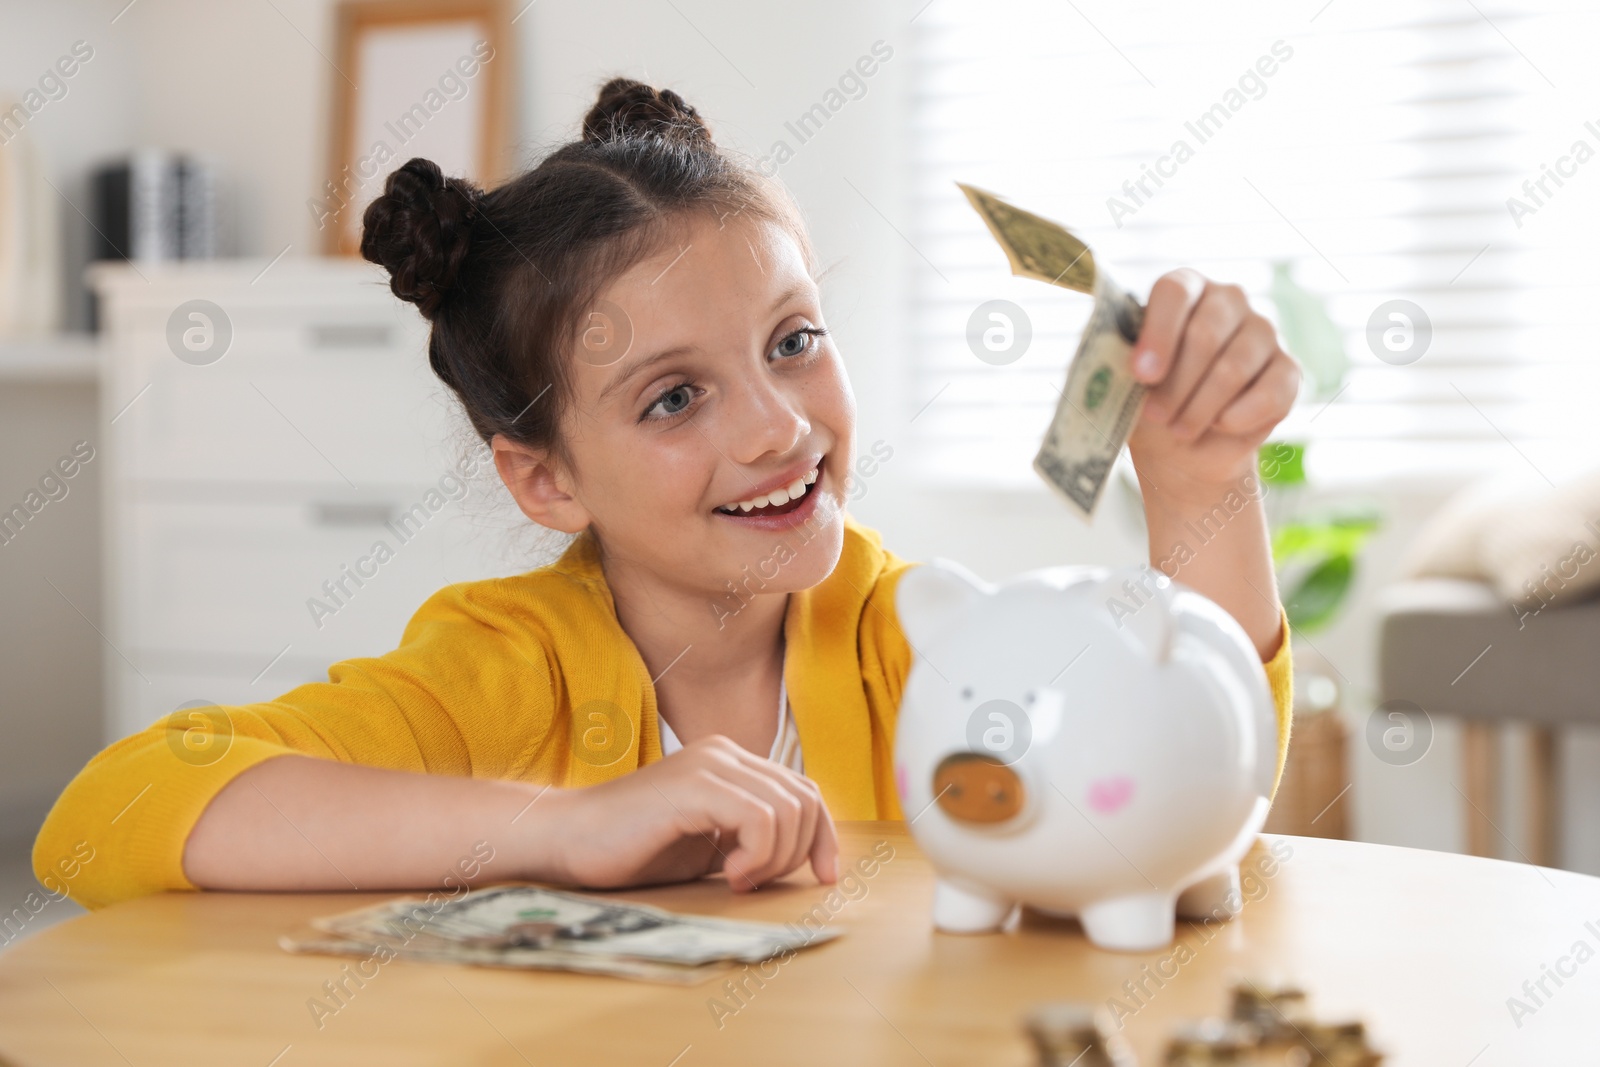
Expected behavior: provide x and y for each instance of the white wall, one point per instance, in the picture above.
(249, 84)
(95, 120)
(49, 656)
(245, 83)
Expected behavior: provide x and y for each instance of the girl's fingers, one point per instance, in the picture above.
(771, 819)
(1172, 303)
(1233, 372)
(1172, 300)
(816, 814)
(814, 822)
(825, 848)
(715, 804)
(1265, 402)
(789, 845)
(814, 827)
(1216, 318)
(795, 800)
(818, 839)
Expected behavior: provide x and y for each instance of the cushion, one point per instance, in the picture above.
(1538, 546)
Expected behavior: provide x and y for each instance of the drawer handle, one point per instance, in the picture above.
(350, 335)
(333, 513)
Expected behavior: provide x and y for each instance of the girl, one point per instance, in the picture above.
(709, 675)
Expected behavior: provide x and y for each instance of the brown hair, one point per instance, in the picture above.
(508, 276)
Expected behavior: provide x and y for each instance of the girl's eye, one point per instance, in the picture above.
(799, 342)
(672, 402)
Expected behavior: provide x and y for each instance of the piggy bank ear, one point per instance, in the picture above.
(931, 596)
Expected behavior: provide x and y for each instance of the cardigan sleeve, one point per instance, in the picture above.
(886, 658)
(1280, 678)
(463, 694)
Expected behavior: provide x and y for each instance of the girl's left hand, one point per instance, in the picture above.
(1218, 383)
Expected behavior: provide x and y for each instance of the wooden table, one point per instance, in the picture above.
(1427, 947)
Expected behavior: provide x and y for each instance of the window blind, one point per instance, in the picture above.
(1382, 159)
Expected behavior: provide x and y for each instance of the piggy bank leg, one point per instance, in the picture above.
(964, 910)
(1130, 924)
(1214, 897)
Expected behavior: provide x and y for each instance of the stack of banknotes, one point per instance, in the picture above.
(524, 926)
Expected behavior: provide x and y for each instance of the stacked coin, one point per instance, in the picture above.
(1272, 1026)
(1069, 1034)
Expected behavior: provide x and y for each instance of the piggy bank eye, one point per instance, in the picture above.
(966, 692)
(1028, 697)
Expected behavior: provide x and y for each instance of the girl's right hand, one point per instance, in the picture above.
(711, 806)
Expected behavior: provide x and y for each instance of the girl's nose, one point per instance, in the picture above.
(765, 416)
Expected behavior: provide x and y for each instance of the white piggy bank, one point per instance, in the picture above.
(1089, 743)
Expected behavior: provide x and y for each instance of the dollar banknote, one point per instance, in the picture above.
(428, 950)
(1101, 401)
(534, 927)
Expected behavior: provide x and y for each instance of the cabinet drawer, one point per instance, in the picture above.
(326, 578)
(301, 396)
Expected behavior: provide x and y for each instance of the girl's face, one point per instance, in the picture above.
(705, 391)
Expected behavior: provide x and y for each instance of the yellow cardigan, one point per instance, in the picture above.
(485, 684)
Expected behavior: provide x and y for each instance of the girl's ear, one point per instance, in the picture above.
(538, 484)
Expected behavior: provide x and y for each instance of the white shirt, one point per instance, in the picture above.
(785, 746)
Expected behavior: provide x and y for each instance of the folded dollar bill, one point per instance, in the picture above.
(1101, 401)
(535, 927)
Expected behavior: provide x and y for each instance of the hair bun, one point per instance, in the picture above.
(627, 108)
(420, 230)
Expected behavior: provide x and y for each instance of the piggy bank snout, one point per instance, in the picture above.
(973, 788)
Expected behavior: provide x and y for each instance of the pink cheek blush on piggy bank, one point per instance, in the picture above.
(1090, 743)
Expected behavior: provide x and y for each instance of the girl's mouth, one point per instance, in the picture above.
(787, 504)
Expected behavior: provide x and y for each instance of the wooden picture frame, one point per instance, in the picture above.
(425, 78)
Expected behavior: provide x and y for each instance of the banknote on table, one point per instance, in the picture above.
(534, 927)
(428, 950)
(1101, 400)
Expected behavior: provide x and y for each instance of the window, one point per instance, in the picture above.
(1441, 152)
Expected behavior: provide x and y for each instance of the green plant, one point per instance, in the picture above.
(1315, 555)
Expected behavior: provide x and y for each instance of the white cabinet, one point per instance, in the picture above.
(249, 487)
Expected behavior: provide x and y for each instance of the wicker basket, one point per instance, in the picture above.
(1313, 797)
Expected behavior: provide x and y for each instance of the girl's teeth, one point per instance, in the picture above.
(792, 491)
